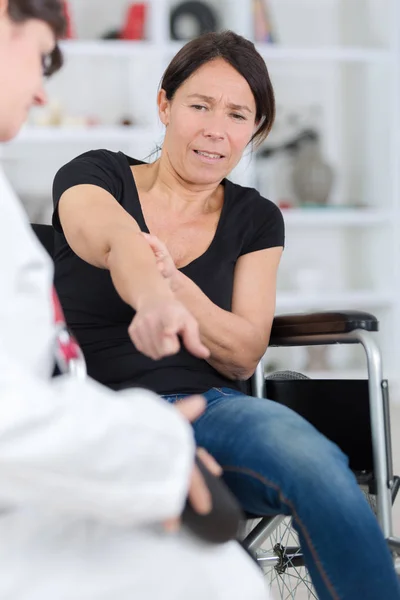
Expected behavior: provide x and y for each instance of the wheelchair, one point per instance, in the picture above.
(338, 409)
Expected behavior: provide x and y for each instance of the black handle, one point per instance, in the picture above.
(222, 523)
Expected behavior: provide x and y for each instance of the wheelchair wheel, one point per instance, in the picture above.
(288, 578)
(287, 575)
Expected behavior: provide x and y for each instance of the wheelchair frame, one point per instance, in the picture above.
(327, 328)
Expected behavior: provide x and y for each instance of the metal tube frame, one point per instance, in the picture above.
(379, 423)
(262, 531)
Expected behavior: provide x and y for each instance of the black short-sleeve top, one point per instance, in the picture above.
(100, 319)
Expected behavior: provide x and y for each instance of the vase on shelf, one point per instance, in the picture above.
(312, 176)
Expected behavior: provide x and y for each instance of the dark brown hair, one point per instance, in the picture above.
(51, 12)
(242, 55)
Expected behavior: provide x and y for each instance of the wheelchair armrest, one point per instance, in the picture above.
(321, 323)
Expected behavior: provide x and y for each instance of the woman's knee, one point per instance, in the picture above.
(264, 435)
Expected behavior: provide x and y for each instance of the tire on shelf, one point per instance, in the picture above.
(198, 14)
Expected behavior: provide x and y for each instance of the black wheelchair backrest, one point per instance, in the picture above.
(45, 234)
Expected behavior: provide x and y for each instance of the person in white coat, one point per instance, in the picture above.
(88, 477)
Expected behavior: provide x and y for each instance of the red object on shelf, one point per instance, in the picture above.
(69, 34)
(134, 27)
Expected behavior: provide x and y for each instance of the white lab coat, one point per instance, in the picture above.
(87, 475)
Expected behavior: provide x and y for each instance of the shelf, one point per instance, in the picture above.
(324, 54)
(297, 302)
(118, 48)
(83, 134)
(336, 217)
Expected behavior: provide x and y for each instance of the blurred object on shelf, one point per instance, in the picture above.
(188, 20)
(76, 121)
(134, 27)
(135, 21)
(54, 115)
(70, 32)
(48, 116)
(276, 160)
(285, 205)
(127, 122)
(263, 29)
(312, 176)
(112, 34)
(273, 169)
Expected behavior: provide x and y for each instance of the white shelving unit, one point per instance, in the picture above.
(343, 55)
(46, 135)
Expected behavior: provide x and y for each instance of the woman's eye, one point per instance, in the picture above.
(238, 117)
(198, 107)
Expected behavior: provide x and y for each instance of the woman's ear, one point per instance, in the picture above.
(163, 107)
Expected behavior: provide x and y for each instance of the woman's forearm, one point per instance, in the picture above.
(235, 344)
(134, 271)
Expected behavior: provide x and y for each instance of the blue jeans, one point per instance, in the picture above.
(276, 462)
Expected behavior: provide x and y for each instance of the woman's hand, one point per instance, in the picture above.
(159, 323)
(164, 260)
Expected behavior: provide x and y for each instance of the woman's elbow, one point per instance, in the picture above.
(243, 370)
(246, 367)
(246, 372)
(241, 360)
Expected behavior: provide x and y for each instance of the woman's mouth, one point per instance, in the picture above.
(209, 156)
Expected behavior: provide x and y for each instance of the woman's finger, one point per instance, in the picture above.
(144, 340)
(155, 244)
(191, 339)
(169, 344)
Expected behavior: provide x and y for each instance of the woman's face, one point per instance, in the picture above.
(23, 48)
(209, 123)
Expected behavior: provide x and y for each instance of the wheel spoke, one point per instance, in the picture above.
(295, 580)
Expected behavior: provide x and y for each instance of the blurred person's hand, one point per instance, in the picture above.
(198, 494)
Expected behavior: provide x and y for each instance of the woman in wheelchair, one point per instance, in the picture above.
(138, 244)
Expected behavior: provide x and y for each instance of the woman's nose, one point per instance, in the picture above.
(40, 98)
